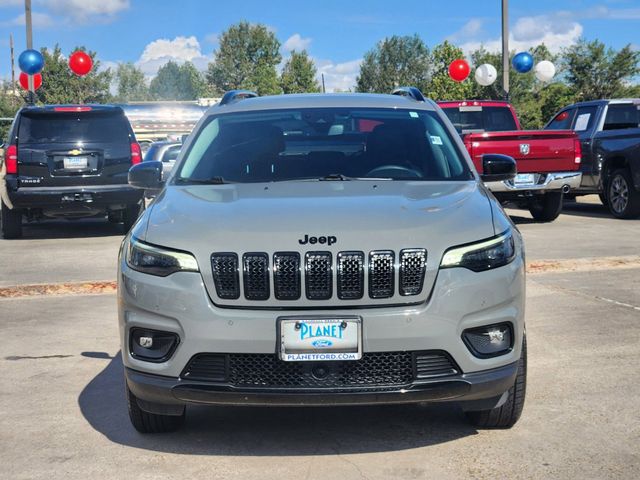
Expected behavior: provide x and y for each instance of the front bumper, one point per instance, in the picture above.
(544, 182)
(159, 392)
(74, 197)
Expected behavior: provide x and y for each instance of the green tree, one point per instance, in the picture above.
(61, 85)
(441, 86)
(177, 82)
(594, 71)
(130, 83)
(246, 58)
(9, 105)
(299, 74)
(394, 62)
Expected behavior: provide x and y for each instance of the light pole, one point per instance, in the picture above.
(27, 21)
(505, 49)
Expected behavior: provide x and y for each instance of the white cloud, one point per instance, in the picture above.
(86, 10)
(180, 49)
(296, 42)
(471, 29)
(554, 30)
(338, 76)
(39, 20)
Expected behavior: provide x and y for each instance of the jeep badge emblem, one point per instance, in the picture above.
(524, 148)
(329, 240)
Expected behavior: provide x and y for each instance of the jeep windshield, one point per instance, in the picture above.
(322, 144)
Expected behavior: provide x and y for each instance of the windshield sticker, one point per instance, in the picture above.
(413, 114)
(435, 140)
(582, 122)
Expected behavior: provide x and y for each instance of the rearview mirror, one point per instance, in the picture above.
(146, 175)
(496, 167)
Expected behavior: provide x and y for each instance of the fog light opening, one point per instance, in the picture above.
(490, 340)
(152, 345)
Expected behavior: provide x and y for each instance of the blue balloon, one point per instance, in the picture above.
(522, 62)
(31, 62)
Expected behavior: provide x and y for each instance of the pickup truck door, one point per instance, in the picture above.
(585, 123)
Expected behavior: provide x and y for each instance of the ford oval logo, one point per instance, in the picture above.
(322, 343)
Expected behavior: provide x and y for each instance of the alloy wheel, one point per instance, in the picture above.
(619, 194)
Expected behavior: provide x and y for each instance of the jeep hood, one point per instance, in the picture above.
(361, 215)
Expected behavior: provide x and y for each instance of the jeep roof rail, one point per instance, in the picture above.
(233, 96)
(411, 92)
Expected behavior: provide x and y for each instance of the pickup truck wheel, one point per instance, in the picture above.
(546, 207)
(508, 414)
(623, 198)
(131, 214)
(146, 422)
(10, 222)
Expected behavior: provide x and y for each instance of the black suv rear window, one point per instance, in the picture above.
(481, 119)
(73, 127)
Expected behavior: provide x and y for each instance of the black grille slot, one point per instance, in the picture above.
(318, 275)
(413, 264)
(255, 276)
(225, 275)
(350, 267)
(435, 364)
(286, 275)
(207, 367)
(373, 370)
(381, 274)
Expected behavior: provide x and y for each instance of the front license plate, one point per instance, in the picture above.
(524, 179)
(75, 162)
(320, 339)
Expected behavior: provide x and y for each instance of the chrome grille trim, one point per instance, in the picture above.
(286, 275)
(350, 266)
(413, 265)
(318, 275)
(255, 275)
(226, 275)
(381, 273)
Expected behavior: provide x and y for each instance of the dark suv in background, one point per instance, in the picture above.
(70, 161)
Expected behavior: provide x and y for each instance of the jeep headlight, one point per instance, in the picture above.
(158, 261)
(480, 256)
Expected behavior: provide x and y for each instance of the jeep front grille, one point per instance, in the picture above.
(286, 275)
(381, 273)
(255, 275)
(413, 264)
(355, 272)
(318, 275)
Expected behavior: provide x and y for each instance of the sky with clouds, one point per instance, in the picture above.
(335, 33)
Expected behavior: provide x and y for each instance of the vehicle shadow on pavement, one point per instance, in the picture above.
(579, 209)
(54, 229)
(255, 431)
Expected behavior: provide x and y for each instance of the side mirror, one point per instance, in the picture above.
(146, 175)
(496, 168)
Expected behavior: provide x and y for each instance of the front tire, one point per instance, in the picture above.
(10, 222)
(622, 198)
(508, 414)
(546, 207)
(146, 422)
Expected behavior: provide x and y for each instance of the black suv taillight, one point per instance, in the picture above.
(11, 159)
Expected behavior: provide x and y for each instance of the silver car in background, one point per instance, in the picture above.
(323, 250)
(166, 152)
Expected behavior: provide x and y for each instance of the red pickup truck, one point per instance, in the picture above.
(548, 161)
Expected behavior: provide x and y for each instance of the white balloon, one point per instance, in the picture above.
(545, 70)
(486, 74)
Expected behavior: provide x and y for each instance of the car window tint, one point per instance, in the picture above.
(278, 145)
(481, 119)
(171, 153)
(562, 121)
(585, 117)
(621, 116)
(83, 127)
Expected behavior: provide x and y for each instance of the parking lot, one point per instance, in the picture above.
(64, 413)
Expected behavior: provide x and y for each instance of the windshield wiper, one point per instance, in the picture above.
(203, 181)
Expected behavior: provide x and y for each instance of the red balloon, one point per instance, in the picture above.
(24, 81)
(80, 63)
(459, 70)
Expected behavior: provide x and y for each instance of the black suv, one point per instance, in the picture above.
(70, 161)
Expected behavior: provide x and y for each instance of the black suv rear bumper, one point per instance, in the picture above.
(158, 393)
(94, 197)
